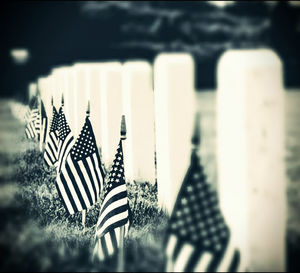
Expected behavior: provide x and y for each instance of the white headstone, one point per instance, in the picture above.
(250, 155)
(32, 90)
(138, 105)
(82, 93)
(174, 99)
(57, 86)
(111, 107)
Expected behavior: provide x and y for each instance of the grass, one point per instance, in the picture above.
(41, 236)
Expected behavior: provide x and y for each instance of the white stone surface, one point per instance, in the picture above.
(138, 104)
(32, 90)
(174, 99)
(250, 155)
(111, 109)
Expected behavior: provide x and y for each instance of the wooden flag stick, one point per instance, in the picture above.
(83, 214)
(121, 251)
(122, 229)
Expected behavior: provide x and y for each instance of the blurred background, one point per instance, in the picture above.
(38, 35)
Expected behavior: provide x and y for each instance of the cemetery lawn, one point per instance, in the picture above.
(37, 234)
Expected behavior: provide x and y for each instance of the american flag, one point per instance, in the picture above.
(51, 148)
(65, 139)
(114, 212)
(198, 238)
(80, 180)
(31, 129)
(44, 124)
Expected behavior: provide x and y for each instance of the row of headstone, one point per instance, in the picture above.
(159, 105)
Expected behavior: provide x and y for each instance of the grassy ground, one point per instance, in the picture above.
(36, 234)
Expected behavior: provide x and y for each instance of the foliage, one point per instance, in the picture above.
(39, 235)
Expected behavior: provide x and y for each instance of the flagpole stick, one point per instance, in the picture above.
(83, 213)
(121, 264)
(121, 251)
(83, 216)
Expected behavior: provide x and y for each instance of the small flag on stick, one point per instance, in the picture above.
(80, 180)
(51, 148)
(44, 124)
(113, 222)
(65, 138)
(32, 124)
(198, 238)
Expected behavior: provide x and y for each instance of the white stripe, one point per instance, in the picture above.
(92, 169)
(118, 235)
(63, 152)
(54, 139)
(50, 144)
(52, 158)
(71, 188)
(97, 163)
(78, 181)
(47, 160)
(66, 153)
(87, 179)
(110, 248)
(171, 245)
(64, 195)
(27, 133)
(111, 207)
(227, 258)
(112, 193)
(203, 262)
(183, 257)
(112, 220)
(100, 251)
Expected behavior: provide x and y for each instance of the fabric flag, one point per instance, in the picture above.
(51, 147)
(80, 180)
(65, 139)
(44, 123)
(31, 127)
(198, 238)
(114, 212)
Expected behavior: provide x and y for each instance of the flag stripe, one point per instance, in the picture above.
(108, 242)
(97, 171)
(183, 257)
(77, 181)
(73, 187)
(115, 198)
(88, 171)
(113, 192)
(113, 237)
(171, 245)
(65, 194)
(203, 262)
(114, 221)
(227, 256)
(113, 206)
(92, 170)
(68, 185)
(235, 262)
(104, 247)
(64, 149)
(87, 180)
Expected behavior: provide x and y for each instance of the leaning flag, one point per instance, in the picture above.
(114, 212)
(198, 238)
(31, 128)
(51, 147)
(65, 139)
(44, 121)
(80, 180)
